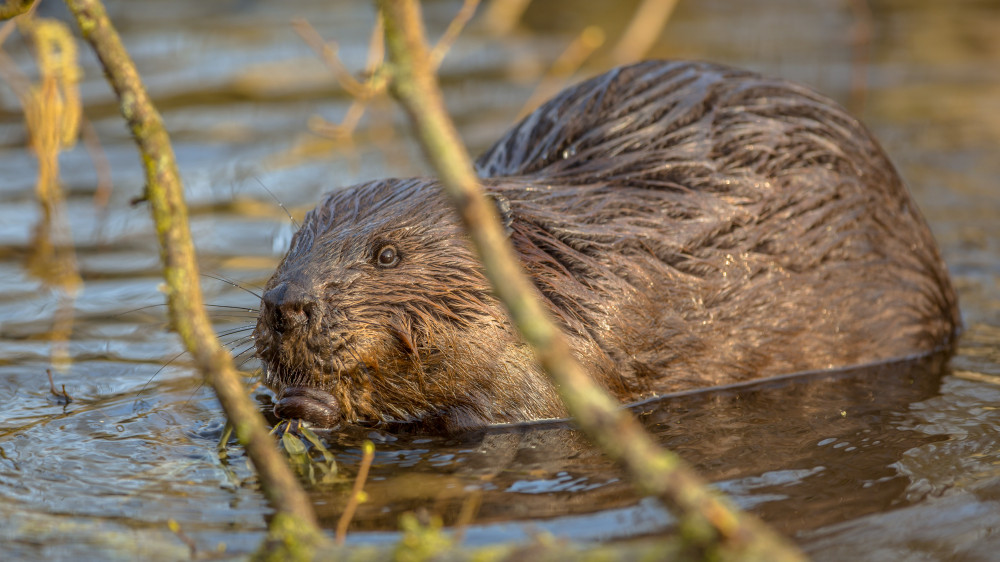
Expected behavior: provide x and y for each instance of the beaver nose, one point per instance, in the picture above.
(289, 307)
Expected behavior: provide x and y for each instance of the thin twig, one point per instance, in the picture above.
(470, 506)
(368, 453)
(456, 26)
(175, 527)
(502, 16)
(62, 396)
(361, 92)
(641, 33)
(861, 42)
(584, 45)
(327, 50)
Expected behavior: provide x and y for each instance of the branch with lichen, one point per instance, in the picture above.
(710, 525)
(294, 531)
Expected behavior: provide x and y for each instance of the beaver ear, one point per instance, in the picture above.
(503, 208)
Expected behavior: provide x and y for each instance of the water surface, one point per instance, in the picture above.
(891, 462)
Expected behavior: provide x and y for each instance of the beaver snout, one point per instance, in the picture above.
(311, 405)
(289, 306)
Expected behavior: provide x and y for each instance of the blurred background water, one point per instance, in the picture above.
(890, 463)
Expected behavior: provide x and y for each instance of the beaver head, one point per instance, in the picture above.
(380, 312)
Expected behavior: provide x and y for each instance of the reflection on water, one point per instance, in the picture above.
(803, 452)
(886, 463)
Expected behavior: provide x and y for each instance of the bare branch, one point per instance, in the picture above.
(709, 524)
(295, 525)
(451, 33)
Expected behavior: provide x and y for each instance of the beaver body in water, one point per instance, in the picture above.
(687, 224)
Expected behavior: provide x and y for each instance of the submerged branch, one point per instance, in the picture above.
(710, 526)
(294, 527)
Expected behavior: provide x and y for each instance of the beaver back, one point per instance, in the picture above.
(704, 225)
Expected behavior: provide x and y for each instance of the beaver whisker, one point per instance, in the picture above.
(242, 341)
(238, 342)
(237, 284)
(250, 312)
(233, 331)
(246, 359)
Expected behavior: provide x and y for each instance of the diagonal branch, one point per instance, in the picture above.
(709, 524)
(164, 193)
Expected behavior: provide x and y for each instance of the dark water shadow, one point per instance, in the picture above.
(801, 451)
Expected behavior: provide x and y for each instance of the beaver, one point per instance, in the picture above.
(687, 224)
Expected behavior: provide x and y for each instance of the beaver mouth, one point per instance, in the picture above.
(317, 407)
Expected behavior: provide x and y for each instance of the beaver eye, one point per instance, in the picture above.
(387, 256)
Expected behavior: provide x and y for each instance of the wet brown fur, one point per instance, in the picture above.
(688, 224)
